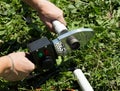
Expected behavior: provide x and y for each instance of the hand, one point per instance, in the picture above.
(49, 12)
(20, 68)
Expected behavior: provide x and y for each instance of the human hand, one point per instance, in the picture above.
(49, 12)
(20, 68)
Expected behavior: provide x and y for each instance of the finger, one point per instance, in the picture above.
(30, 66)
(21, 53)
(47, 22)
(62, 20)
(50, 26)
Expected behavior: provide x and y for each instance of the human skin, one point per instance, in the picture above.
(16, 66)
(47, 11)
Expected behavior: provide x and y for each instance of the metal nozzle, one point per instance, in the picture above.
(73, 42)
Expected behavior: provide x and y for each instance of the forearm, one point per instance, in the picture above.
(5, 65)
(48, 12)
(36, 4)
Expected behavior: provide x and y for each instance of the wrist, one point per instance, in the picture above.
(41, 4)
(37, 4)
(5, 65)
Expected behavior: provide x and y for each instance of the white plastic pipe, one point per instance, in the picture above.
(82, 81)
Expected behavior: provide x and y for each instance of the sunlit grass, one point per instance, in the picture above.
(99, 59)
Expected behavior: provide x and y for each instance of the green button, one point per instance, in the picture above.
(40, 54)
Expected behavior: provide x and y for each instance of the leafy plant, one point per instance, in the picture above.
(99, 59)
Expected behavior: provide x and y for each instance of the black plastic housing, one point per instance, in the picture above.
(43, 53)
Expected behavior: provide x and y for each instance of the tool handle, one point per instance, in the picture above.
(59, 27)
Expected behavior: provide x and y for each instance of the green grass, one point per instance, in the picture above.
(99, 59)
